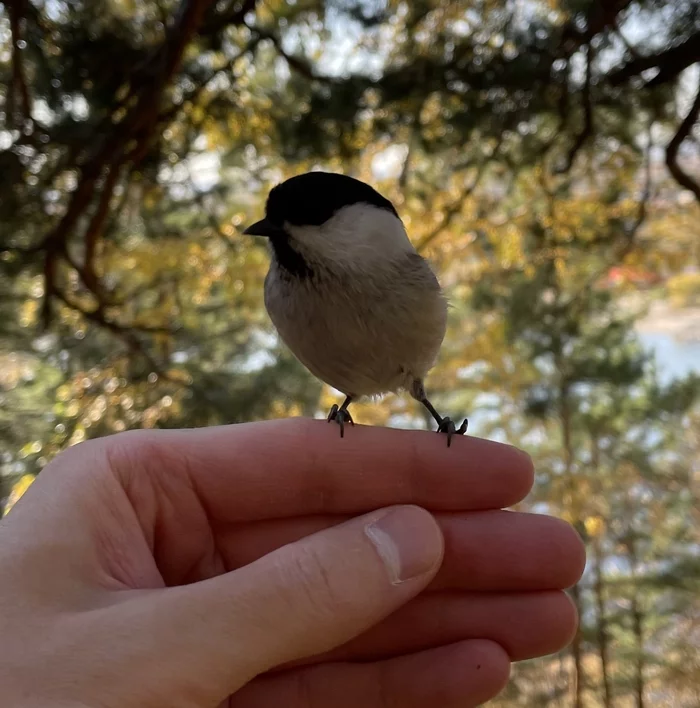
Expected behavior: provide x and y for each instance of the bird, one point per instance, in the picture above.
(348, 293)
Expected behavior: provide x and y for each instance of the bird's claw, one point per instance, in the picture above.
(448, 426)
(340, 416)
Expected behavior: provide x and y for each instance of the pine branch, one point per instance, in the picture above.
(451, 212)
(682, 177)
(95, 228)
(602, 15)
(19, 81)
(194, 94)
(587, 131)
(233, 14)
(670, 62)
(98, 317)
(138, 126)
(627, 243)
(299, 65)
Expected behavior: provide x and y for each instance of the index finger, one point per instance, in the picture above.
(289, 467)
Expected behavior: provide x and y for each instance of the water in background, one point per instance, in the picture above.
(674, 357)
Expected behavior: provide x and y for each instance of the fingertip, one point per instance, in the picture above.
(573, 549)
(489, 662)
(554, 615)
(562, 620)
(569, 621)
(522, 471)
(513, 467)
(526, 468)
(464, 674)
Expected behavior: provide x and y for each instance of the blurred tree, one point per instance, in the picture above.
(530, 148)
(117, 240)
(602, 427)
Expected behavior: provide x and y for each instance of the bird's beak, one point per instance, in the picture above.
(263, 228)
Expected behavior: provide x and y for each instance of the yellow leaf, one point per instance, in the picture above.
(19, 488)
(595, 526)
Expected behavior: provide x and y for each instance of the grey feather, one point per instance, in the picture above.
(367, 323)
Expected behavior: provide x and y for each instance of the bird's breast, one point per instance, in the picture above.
(364, 333)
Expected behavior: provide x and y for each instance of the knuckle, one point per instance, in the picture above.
(311, 575)
(136, 454)
(80, 461)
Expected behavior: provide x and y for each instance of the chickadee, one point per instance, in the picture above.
(348, 293)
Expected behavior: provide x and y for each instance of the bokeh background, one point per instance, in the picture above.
(544, 154)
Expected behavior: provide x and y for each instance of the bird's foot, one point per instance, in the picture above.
(340, 416)
(447, 426)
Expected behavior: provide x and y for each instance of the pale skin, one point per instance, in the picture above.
(252, 566)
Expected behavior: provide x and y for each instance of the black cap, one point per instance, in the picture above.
(314, 197)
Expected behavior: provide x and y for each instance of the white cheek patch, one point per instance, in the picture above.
(357, 232)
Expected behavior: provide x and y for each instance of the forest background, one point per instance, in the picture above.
(543, 154)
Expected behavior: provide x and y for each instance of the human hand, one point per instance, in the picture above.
(175, 568)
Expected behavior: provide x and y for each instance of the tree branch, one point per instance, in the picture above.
(172, 112)
(626, 244)
(19, 82)
(97, 316)
(95, 227)
(454, 209)
(602, 15)
(587, 131)
(234, 13)
(137, 126)
(684, 179)
(632, 232)
(671, 62)
(298, 64)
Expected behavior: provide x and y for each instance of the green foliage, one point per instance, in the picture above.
(520, 143)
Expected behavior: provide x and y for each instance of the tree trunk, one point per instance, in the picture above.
(576, 652)
(567, 443)
(638, 630)
(637, 625)
(599, 590)
(603, 647)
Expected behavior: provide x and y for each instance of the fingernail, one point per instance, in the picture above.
(409, 542)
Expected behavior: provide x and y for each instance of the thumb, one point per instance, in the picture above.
(302, 599)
